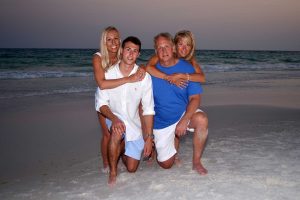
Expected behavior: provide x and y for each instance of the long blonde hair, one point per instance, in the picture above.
(189, 35)
(103, 48)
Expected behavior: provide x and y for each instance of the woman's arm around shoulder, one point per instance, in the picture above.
(112, 83)
(198, 76)
(151, 69)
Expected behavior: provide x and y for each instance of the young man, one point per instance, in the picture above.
(121, 106)
(176, 109)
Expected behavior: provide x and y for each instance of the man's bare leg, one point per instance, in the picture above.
(168, 163)
(199, 122)
(131, 164)
(113, 152)
(177, 160)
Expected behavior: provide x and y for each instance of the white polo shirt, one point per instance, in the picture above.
(124, 100)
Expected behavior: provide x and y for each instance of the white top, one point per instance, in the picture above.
(97, 106)
(98, 54)
(124, 100)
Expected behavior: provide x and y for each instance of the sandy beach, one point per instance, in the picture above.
(49, 146)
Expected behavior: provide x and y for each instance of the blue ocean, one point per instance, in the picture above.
(30, 72)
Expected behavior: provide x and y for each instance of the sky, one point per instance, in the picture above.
(216, 24)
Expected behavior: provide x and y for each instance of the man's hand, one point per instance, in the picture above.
(118, 126)
(181, 127)
(148, 147)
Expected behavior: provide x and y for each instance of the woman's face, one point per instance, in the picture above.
(112, 41)
(183, 47)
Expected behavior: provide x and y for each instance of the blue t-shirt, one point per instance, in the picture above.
(171, 101)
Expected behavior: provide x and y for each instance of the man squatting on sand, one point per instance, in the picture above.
(176, 109)
(121, 106)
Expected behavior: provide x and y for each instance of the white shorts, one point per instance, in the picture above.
(165, 141)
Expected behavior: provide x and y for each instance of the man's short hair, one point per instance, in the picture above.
(134, 40)
(165, 35)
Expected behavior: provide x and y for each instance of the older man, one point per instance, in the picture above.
(176, 108)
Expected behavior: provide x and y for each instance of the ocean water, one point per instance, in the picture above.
(59, 71)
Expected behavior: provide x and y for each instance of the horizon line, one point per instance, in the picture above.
(68, 48)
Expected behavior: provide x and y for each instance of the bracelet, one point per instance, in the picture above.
(187, 77)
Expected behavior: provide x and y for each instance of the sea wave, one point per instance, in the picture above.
(215, 67)
(41, 74)
(57, 63)
(45, 93)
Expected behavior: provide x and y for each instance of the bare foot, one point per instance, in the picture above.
(198, 167)
(112, 180)
(148, 160)
(105, 170)
(121, 166)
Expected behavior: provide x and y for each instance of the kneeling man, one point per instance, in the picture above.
(121, 106)
(176, 109)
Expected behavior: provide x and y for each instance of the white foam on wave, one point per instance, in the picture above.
(62, 91)
(41, 74)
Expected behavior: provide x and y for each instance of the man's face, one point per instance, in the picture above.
(130, 53)
(164, 49)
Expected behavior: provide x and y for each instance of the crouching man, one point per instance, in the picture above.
(121, 106)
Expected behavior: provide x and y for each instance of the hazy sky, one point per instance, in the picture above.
(217, 24)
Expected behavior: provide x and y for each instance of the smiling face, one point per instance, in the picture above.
(183, 47)
(185, 44)
(112, 41)
(165, 51)
(130, 53)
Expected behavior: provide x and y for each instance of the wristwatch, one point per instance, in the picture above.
(151, 135)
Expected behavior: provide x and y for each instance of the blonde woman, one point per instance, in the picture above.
(109, 55)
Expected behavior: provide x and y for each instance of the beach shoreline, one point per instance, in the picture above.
(253, 150)
(50, 147)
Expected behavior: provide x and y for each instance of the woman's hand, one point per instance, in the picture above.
(137, 76)
(178, 79)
